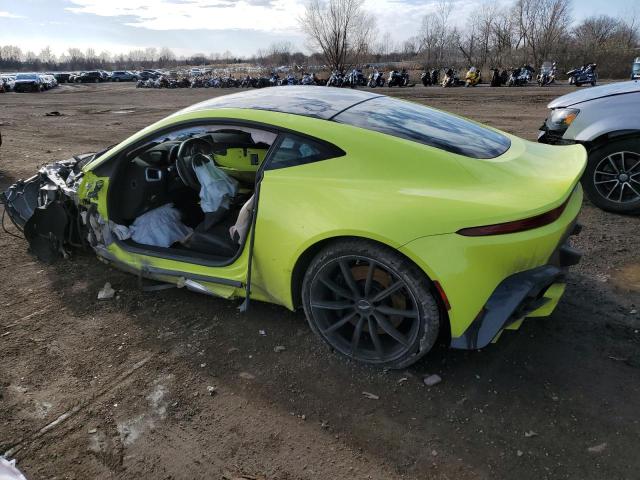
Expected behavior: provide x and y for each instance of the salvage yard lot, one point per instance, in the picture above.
(557, 399)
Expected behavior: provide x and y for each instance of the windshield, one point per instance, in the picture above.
(422, 124)
(636, 68)
(26, 76)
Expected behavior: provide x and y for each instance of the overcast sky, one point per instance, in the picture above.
(206, 26)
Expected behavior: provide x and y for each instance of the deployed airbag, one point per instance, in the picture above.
(160, 227)
(217, 189)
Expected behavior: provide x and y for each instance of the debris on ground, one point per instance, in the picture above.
(263, 333)
(107, 292)
(55, 113)
(432, 380)
(279, 348)
(371, 396)
(246, 375)
(212, 390)
(597, 448)
(530, 434)
(519, 453)
(91, 431)
(403, 379)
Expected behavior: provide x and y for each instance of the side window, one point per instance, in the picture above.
(294, 150)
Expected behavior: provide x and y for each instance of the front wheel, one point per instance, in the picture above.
(612, 177)
(370, 304)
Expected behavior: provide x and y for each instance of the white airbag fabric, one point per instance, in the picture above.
(216, 187)
(160, 227)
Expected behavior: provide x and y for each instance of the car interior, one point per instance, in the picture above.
(207, 174)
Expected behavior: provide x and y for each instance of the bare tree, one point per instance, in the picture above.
(543, 25)
(340, 29)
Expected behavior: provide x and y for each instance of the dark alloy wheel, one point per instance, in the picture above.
(612, 177)
(371, 304)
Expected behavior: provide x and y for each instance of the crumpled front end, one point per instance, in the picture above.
(45, 208)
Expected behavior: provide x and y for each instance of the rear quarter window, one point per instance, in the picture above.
(425, 125)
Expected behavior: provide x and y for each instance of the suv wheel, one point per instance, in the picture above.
(370, 304)
(612, 177)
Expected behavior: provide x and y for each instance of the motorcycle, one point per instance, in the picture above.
(376, 79)
(356, 78)
(435, 76)
(398, 79)
(585, 74)
(336, 79)
(308, 79)
(290, 79)
(450, 78)
(426, 78)
(496, 79)
(472, 78)
(547, 74)
(520, 76)
(274, 80)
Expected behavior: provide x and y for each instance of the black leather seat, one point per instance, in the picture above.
(213, 239)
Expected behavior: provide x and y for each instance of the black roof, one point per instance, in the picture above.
(311, 101)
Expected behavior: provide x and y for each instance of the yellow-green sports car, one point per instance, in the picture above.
(390, 223)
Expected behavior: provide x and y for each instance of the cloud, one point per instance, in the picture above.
(9, 15)
(261, 15)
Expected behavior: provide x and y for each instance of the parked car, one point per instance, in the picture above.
(28, 82)
(123, 76)
(148, 75)
(606, 122)
(74, 77)
(62, 77)
(90, 77)
(635, 69)
(49, 81)
(390, 223)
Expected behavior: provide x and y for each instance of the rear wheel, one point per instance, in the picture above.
(612, 176)
(370, 304)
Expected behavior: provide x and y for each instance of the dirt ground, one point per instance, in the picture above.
(119, 388)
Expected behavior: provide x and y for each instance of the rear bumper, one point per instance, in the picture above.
(531, 293)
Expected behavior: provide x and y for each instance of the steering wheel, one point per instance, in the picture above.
(184, 160)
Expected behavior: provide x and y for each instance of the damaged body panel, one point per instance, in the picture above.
(382, 231)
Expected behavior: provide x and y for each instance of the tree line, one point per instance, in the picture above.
(528, 32)
(342, 33)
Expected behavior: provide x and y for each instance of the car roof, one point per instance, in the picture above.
(310, 101)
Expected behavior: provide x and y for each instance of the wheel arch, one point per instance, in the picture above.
(304, 260)
(614, 136)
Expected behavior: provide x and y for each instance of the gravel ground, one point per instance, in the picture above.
(119, 388)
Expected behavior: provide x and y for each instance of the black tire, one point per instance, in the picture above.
(384, 293)
(614, 162)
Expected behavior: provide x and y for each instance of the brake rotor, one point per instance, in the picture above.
(382, 278)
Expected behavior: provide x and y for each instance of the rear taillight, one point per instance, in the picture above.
(517, 225)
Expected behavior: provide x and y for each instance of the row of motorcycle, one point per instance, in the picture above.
(516, 77)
